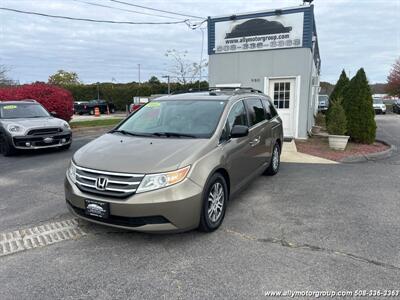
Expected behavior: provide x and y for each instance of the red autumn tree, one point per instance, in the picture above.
(53, 98)
(393, 84)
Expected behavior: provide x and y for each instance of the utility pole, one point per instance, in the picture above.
(139, 72)
(98, 91)
(169, 85)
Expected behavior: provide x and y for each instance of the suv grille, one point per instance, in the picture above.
(119, 185)
(44, 131)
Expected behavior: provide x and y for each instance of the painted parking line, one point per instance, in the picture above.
(39, 236)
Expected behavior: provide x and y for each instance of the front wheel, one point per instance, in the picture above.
(273, 167)
(215, 198)
(6, 148)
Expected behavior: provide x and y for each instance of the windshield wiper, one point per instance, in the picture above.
(173, 134)
(128, 132)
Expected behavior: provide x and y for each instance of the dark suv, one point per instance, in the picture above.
(28, 125)
(176, 161)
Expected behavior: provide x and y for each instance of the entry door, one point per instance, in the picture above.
(282, 92)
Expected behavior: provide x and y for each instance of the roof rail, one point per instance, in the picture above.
(191, 90)
(235, 90)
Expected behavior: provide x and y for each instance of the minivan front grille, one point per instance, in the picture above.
(111, 184)
(44, 131)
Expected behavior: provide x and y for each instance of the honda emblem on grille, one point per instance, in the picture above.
(101, 183)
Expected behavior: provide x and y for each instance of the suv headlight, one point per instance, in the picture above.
(66, 126)
(15, 129)
(157, 181)
(72, 172)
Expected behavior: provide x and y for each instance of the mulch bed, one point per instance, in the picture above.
(319, 146)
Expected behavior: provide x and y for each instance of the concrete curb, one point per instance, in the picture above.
(372, 156)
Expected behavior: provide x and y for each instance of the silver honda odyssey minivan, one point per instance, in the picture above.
(174, 164)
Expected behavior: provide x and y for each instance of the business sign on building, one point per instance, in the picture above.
(260, 33)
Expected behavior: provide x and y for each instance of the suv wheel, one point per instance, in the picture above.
(273, 167)
(214, 203)
(5, 147)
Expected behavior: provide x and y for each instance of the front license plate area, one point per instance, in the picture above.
(97, 209)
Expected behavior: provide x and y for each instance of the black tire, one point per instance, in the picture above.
(91, 112)
(6, 148)
(112, 110)
(207, 224)
(275, 163)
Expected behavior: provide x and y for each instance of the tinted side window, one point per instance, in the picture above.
(267, 109)
(256, 111)
(237, 115)
(272, 109)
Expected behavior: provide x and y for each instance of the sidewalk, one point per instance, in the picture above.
(290, 155)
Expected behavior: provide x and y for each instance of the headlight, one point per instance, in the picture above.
(157, 181)
(72, 172)
(13, 128)
(66, 125)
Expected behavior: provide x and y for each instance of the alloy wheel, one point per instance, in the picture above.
(216, 202)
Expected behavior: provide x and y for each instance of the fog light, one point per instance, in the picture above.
(27, 144)
(63, 141)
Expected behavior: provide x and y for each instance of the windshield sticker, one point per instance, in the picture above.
(10, 107)
(153, 104)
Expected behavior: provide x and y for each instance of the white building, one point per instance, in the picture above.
(274, 51)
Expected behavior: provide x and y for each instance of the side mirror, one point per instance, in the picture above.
(53, 113)
(239, 131)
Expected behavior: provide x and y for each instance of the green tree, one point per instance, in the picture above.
(337, 124)
(62, 77)
(360, 114)
(154, 80)
(338, 91)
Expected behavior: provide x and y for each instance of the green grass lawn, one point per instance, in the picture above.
(93, 123)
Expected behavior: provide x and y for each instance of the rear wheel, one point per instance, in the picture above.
(6, 148)
(273, 167)
(91, 112)
(214, 203)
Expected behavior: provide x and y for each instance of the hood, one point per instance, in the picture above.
(128, 154)
(31, 123)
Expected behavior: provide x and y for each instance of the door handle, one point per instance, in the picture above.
(255, 142)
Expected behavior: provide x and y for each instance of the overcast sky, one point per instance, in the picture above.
(352, 34)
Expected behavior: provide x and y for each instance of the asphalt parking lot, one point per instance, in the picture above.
(310, 228)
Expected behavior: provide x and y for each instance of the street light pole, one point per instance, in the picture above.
(139, 72)
(169, 85)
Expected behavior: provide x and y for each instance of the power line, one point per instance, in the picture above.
(92, 20)
(127, 10)
(159, 10)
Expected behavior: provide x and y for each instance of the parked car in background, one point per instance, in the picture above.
(396, 106)
(28, 125)
(379, 106)
(176, 161)
(323, 103)
(88, 107)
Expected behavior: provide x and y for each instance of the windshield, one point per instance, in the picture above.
(23, 110)
(323, 99)
(378, 101)
(176, 118)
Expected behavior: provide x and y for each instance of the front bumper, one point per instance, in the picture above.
(175, 208)
(40, 142)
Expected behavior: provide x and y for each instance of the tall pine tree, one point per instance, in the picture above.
(360, 114)
(338, 92)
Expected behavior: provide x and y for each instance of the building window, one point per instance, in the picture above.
(282, 95)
